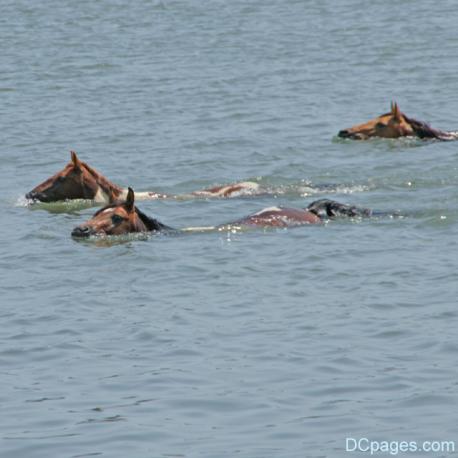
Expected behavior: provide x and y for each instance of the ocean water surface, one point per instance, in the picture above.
(260, 343)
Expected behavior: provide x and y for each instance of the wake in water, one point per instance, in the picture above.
(103, 240)
(249, 189)
(244, 189)
(124, 217)
(61, 206)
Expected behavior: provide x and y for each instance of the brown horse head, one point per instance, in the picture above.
(396, 124)
(389, 125)
(75, 181)
(118, 218)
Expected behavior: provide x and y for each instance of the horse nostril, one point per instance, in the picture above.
(32, 195)
(81, 231)
(343, 133)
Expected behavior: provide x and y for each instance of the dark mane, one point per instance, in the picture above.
(424, 130)
(152, 224)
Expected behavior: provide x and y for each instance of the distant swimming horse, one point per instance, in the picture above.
(124, 217)
(77, 180)
(395, 124)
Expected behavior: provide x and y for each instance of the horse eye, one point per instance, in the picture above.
(380, 125)
(116, 219)
(60, 179)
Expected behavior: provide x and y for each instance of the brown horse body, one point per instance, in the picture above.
(124, 218)
(395, 124)
(278, 217)
(77, 180)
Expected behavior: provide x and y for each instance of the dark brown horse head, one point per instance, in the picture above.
(389, 125)
(75, 181)
(118, 218)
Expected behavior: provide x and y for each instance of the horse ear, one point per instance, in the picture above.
(75, 160)
(395, 111)
(130, 200)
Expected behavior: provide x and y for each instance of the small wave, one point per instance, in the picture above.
(106, 241)
(394, 143)
(199, 229)
(296, 189)
(310, 189)
(62, 206)
(21, 201)
(334, 189)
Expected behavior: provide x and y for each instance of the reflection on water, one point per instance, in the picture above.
(64, 206)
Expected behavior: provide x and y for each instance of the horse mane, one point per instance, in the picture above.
(424, 130)
(151, 224)
(107, 186)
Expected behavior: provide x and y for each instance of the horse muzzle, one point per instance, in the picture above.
(37, 196)
(351, 135)
(83, 231)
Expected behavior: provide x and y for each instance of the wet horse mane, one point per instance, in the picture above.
(424, 130)
(151, 224)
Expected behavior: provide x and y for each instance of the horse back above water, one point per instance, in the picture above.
(395, 124)
(123, 217)
(77, 180)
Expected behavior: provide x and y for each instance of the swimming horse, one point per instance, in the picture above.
(395, 124)
(77, 180)
(123, 217)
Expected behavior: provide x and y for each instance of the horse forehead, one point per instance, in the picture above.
(82, 171)
(368, 124)
(115, 211)
(385, 117)
(60, 173)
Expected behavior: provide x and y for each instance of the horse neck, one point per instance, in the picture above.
(139, 225)
(424, 130)
(152, 224)
(107, 190)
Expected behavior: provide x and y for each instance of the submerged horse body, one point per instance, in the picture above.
(317, 212)
(77, 180)
(124, 217)
(395, 124)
